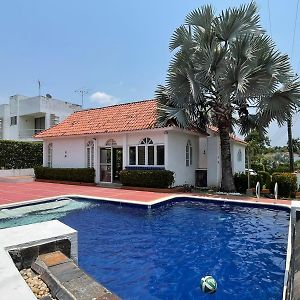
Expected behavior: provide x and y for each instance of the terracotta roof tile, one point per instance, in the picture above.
(232, 136)
(123, 117)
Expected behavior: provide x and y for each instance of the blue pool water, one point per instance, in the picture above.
(162, 253)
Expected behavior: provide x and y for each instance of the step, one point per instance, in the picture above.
(67, 281)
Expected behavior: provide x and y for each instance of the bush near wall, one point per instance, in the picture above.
(241, 181)
(147, 178)
(287, 184)
(20, 155)
(264, 178)
(66, 174)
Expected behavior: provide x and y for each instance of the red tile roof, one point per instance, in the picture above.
(123, 117)
(117, 118)
(232, 136)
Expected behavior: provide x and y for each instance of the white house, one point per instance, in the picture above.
(23, 117)
(113, 138)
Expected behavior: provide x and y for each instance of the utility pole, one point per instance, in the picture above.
(82, 92)
(290, 144)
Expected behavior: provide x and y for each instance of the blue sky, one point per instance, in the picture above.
(117, 49)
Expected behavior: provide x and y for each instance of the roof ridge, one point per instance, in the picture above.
(115, 105)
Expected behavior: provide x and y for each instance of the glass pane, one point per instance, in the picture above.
(88, 153)
(160, 155)
(105, 155)
(141, 155)
(105, 173)
(132, 155)
(150, 155)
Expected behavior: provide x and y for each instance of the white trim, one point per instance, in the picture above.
(146, 131)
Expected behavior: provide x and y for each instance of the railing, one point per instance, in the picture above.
(29, 133)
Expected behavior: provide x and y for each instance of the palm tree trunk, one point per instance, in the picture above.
(227, 184)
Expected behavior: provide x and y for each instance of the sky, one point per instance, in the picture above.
(116, 50)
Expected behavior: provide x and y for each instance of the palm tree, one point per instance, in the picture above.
(222, 66)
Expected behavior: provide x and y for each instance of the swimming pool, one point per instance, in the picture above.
(162, 253)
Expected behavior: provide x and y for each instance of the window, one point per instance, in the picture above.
(39, 124)
(141, 156)
(49, 155)
(13, 120)
(188, 154)
(150, 155)
(147, 154)
(132, 155)
(90, 151)
(160, 155)
(239, 155)
(111, 142)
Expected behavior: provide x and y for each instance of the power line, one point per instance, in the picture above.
(270, 25)
(294, 33)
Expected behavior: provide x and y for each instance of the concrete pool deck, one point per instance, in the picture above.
(17, 192)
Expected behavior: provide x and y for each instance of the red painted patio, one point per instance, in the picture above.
(24, 191)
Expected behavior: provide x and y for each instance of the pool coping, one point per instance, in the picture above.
(292, 207)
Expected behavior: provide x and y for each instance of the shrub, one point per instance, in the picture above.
(20, 155)
(66, 174)
(287, 184)
(241, 182)
(264, 178)
(147, 178)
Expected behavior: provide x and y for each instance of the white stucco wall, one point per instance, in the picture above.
(5, 116)
(213, 161)
(176, 157)
(237, 166)
(67, 153)
(202, 153)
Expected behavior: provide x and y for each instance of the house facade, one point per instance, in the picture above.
(23, 117)
(126, 136)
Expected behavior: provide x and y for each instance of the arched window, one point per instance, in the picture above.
(146, 141)
(188, 154)
(90, 150)
(239, 155)
(111, 142)
(49, 155)
(146, 153)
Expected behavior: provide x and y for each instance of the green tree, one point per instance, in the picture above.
(222, 65)
(296, 145)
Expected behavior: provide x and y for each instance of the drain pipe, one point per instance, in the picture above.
(257, 190)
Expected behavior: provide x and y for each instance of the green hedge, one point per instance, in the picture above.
(147, 178)
(241, 181)
(20, 155)
(66, 174)
(287, 184)
(264, 178)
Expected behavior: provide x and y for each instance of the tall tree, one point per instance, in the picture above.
(222, 65)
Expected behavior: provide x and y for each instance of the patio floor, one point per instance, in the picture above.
(19, 192)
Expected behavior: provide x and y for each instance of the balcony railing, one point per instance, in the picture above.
(29, 133)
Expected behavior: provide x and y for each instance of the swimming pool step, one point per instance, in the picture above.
(67, 281)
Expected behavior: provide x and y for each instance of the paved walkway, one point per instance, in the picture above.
(19, 192)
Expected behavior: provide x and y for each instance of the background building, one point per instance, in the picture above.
(23, 117)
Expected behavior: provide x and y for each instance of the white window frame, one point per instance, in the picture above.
(188, 154)
(49, 155)
(146, 142)
(90, 154)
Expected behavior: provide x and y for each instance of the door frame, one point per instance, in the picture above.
(111, 148)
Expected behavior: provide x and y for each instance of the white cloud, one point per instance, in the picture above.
(103, 99)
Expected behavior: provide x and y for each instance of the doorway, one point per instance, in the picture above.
(111, 164)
